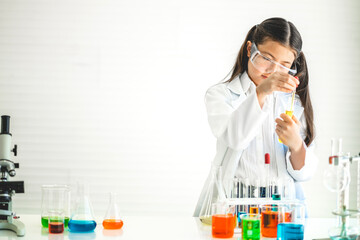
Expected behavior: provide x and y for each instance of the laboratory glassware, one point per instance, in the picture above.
(55, 198)
(290, 108)
(214, 192)
(82, 220)
(339, 169)
(270, 214)
(268, 179)
(56, 221)
(112, 219)
(291, 222)
(223, 220)
(250, 226)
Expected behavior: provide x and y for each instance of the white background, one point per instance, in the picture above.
(111, 92)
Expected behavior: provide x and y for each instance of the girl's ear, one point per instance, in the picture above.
(248, 48)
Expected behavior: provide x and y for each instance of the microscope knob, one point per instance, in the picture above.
(15, 150)
(12, 173)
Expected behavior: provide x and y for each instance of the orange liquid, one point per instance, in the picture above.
(223, 225)
(112, 224)
(269, 222)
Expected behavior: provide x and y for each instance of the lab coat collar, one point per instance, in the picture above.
(241, 84)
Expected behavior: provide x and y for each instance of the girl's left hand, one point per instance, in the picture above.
(288, 130)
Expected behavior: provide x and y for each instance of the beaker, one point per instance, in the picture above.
(112, 218)
(214, 192)
(250, 226)
(270, 215)
(56, 222)
(223, 220)
(82, 220)
(55, 198)
(291, 222)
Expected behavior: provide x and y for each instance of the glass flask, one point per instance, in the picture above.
(112, 218)
(213, 193)
(55, 198)
(82, 220)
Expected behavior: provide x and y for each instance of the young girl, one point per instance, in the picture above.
(247, 112)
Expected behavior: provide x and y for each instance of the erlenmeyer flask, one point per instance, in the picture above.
(82, 220)
(112, 218)
(213, 194)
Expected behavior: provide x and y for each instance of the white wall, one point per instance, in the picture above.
(112, 91)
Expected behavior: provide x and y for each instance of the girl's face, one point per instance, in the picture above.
(274, 51)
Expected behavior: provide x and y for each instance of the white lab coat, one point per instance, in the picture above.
(235, 117)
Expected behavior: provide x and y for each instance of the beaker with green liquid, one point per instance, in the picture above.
(55, 198)
(250, 226)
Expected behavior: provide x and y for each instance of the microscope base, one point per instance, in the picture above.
(16, 226)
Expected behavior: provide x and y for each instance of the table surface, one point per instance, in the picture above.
(145, 228)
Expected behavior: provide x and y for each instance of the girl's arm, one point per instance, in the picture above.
(235, 125)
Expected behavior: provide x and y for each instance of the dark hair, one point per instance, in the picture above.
(284, 32)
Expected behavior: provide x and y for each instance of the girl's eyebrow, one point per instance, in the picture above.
(273, 58)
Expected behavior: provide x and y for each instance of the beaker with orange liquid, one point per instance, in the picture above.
(112, 218)
(271, 215)
(223, 220)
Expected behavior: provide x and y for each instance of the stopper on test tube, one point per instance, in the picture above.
(267, 158)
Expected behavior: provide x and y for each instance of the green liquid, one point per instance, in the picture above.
(45, 221)
(251, 229)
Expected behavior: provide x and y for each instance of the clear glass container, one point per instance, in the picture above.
(291, 222)
(223, 220)
(55, 198)
(82, 220)
(112, 219)
(250, 226)
(213, 194)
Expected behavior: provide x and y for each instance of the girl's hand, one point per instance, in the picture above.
(288, 130)
(277, 81)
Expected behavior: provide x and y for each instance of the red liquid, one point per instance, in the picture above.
(269, 222)
(223, 225)
(112, 224)
(56, 227)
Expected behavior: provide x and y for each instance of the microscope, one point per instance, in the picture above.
(8, 218)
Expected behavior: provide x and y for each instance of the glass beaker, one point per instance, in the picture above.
(112, 218)
(250, 226)
(82, 220)
(213, 194)
(56, 222)
(54, 198)
(270, 215)
(291, 222)
(223, 220)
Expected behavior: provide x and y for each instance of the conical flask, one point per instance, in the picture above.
(82, 220)
(112, 217)
(214, 193)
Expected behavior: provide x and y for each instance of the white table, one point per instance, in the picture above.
(146, 228)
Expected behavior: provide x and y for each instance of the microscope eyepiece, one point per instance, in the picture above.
(5, 124)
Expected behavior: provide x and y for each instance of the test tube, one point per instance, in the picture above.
(267, 170)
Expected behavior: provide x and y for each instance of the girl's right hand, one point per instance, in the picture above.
(277, 81)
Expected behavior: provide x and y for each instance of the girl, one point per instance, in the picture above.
(247, 112)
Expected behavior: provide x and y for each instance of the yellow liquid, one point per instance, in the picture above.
(206, 219)
(290, 114)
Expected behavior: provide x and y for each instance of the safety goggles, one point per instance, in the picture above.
(267, 65)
